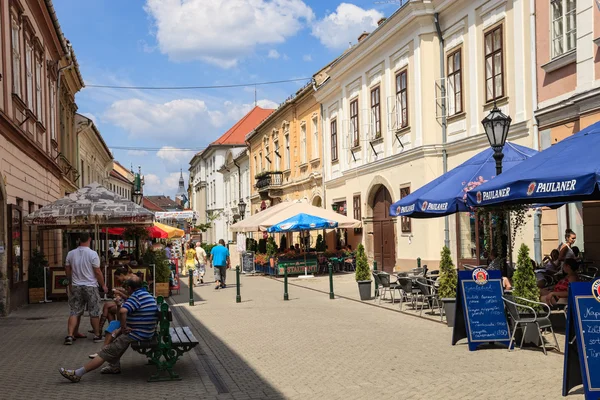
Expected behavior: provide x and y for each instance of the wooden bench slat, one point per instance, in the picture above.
(190, 335)
(174, 336)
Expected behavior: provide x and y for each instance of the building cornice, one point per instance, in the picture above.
(569, 108)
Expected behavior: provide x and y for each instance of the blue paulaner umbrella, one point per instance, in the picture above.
(567, 171)
(302, 222)
(447, 194)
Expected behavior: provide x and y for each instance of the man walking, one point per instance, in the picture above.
(83, 272)
(201, 267)
(138, 322)
(219, 258)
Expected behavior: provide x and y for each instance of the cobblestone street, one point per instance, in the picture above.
(308, 348)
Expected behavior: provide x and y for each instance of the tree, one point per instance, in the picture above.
(448, 276)
(320, 246)
(283, 243)
(524, 281)
(363, 272)
(271, 247)
(36, 270)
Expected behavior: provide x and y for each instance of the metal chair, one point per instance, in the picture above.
(429, 295)
(387, 286)
(407, 292)
(542, 321)
(378, 286)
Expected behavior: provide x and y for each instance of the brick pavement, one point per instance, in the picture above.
(308, 348)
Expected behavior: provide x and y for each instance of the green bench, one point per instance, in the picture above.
(166, 346)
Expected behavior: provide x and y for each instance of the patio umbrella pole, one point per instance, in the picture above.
(305, 276)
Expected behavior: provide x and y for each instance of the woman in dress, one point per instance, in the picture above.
(190, 258)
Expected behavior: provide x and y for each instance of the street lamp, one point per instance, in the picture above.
(496, 126)
(242, 208)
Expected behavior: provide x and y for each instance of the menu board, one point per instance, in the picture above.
(248, 262)
(480, 315)
(582, 352)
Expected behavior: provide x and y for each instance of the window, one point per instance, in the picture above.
(405, 221)
(83, 174)
(38, 90)
(255, 166)
(287, 151)
(303, 143)
(375, 113)
(494, 68)
(354, 123)
(334, 141)
(260, 162)
(267, 158)
(455, 83)
(16, 56)
(15, 258)
(356, 206)
(564, 26)
(52, 111)
(402, 98)
(277, 155)
(315, 138)
(29, 74)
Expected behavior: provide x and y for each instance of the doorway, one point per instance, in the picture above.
(384, 231)
(18, 286)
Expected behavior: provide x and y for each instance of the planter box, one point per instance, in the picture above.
(162, 289)
(449, 310)
(364, 289)
(297, 267)
(36, 295)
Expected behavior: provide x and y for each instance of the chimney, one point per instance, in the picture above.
(362, 36)
(381, 21)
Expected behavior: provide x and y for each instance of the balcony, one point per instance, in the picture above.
(268, 183)
(69, 172)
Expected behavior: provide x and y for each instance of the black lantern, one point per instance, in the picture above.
(496, 126)
(334, 206)
(242, 208)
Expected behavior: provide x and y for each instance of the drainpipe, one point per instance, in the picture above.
(436, 19)
(324, 200)
(537, 216)
(239, 179)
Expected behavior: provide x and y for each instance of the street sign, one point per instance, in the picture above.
(480, 315)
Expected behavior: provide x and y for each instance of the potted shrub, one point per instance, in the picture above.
(36, 277)
(163, 271)
(363, 273)
(448, 282)
(525, 286)
(271, 251)
(320, 245)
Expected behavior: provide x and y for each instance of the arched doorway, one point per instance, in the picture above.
(317, 202)
(384, 232)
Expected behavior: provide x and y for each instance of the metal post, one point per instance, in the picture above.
(498, 156)
(419, 262)
(285, 283)
(238, 298)
(191, 284)
(375, 271)
(46, 270)
(331, 295)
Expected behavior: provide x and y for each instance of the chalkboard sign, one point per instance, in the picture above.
(480, 315)
(248, 262)
(582, 352)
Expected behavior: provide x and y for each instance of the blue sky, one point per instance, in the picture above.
(197, 43)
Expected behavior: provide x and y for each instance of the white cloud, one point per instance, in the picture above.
(174, 120)
(307, 58)
(152, 185)
(273, 54)
(137, 153)
(174, 155)
(167, 185)
(344, 25)
(221, 32)
(236, 111)
(170, 183)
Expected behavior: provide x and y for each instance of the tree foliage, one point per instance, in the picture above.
(320, 246)
(448, 276)
(524, 280)
(36, 270)
(363, 272)
(158, 258)
(271, 247)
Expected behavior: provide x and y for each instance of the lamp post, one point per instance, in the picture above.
(496, 126)
(242, 208)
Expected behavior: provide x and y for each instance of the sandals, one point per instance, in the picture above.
(80, 336)
(69, 340)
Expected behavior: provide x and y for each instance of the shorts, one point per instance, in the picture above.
(220, 274)
(200, 270)
(113, 326)
(81, 296)
(112, 352)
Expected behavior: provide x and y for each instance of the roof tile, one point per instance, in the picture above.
(237, 134)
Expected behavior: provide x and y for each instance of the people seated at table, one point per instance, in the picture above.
(109, 311)
(551, 263)
(495, 262)
(561, 289)
(565, 250)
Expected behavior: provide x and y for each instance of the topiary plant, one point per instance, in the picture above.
(262, 246)
(283, 243)
(36, 270)
(158, 258)
(524, 280)
(363, 272)
(271, 247)
(448, 276)
(320, 246)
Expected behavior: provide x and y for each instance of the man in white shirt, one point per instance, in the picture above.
(201, 266)
(83, 271)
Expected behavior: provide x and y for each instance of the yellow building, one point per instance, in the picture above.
(285, 154)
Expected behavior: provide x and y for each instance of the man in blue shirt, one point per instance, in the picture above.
(219, 258)
(138, 322)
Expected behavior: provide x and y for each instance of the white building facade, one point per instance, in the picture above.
(384, 127)
(236, 184)
(95, 159)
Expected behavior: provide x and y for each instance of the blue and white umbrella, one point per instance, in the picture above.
(302, 222)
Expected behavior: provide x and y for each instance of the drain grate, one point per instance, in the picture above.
(35, 318)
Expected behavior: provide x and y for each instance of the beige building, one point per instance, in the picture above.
(121, 180)
(568, 96)
(285, 154)
(34, 154)
(385, 132)
(95, 159)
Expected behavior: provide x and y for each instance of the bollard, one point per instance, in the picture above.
(331, 295)
(191, 289)
(419, 262)
(238, 298)
(285, 285)
(375, 271)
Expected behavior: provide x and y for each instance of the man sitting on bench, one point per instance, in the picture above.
(138, 317)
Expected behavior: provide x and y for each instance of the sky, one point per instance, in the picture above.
(197, 43)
